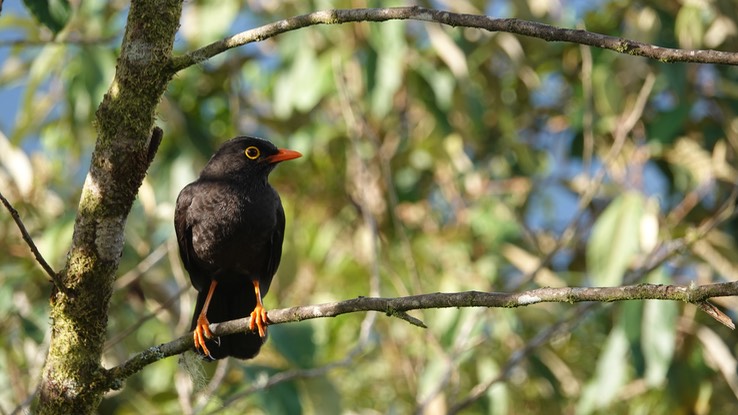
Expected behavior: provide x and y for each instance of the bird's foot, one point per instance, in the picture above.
(259, 320)
(202, 332)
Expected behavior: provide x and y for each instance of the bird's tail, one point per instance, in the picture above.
(230, 302)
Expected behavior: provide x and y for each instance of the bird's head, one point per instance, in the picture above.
(246, 158)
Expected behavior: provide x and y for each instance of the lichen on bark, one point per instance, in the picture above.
(73, 380)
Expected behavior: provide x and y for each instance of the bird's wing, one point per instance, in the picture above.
(275, 250)
(183, 229)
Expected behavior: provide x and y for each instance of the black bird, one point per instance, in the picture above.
(230, 227)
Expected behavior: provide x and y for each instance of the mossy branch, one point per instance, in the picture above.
(126, 144)
(515, 26)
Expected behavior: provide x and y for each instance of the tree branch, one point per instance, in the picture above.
(657, 257)
(125, 146)
(27, 237)
(28, 43)
(516, 26)
(394, 306)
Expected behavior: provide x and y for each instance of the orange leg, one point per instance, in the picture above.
(202, 328)
(258, 316)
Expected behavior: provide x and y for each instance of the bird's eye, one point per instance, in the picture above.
(252, 152)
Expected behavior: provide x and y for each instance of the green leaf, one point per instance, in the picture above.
(610, 374)
(443, 84)
(630, 318)
(53, 14)
(198, 20)
(17, 164)
(498, 395)
(32, 112)
(388, 40)
(689, 26)
(615, 240)
(304, 84)
(88, 77)
(32, 330)
(295, 343)
(433, 374)
(665, 128)
(323, 396)
(281, 398)
(608, 96)
(659, 334)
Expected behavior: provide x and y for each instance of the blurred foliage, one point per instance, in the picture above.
(435, 159)
(53, 14)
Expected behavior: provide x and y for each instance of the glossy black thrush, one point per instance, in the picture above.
(230, 227)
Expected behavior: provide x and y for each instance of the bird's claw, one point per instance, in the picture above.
(259, 321)
(202, 332)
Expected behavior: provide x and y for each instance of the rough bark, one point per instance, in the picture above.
(126, 143)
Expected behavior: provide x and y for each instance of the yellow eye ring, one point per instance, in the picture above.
(252, 152)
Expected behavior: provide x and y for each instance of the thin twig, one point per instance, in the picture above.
(575, 317)
(45, 42)
(715, 313)
(588, 113)
(127, 332)
(515, 26)
(289, 375)
(54, 276)
(625, 125)
(139, 270)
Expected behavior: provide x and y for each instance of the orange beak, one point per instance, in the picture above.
(283, 155)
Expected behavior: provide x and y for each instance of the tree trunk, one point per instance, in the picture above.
(73, 380)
